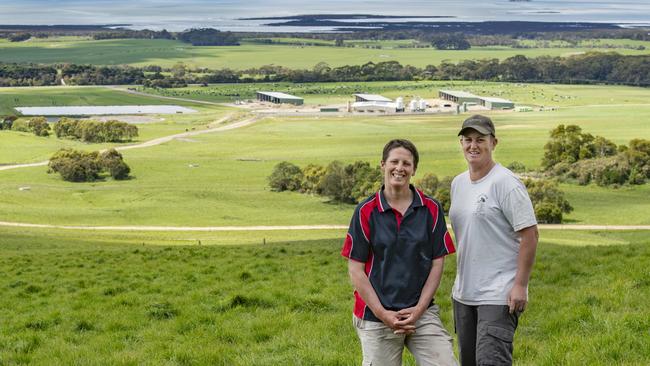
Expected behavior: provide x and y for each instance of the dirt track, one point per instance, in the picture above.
(290, 227)
(158, 141)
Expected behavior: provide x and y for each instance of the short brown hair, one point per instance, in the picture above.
(408, 145)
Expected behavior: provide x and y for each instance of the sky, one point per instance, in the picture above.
(178, 15)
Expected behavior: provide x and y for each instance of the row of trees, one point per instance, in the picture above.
(571, 154)
(95, 131)
(354, 182)
(610, 68)
(83, 166)
(208, 37)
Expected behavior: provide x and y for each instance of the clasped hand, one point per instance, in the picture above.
(403, 321)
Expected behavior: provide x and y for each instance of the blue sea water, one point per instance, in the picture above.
(176, 15)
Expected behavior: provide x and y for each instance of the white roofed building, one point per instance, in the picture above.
(279, 98)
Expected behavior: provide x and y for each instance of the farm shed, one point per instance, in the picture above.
(278, 98)
(371, 98)
(458, 96)
(376, 106)
(496, 103)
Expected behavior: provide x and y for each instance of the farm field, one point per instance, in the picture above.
(549, 95)
(166, 53)
(224, 175)
(106, 298)
(22, 147)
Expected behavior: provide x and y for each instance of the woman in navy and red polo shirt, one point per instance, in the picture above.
(396, 246)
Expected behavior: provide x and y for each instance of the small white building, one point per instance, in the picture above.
(376, 106)
(371, 98)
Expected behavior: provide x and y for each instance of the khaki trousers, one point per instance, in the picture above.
(431, 344)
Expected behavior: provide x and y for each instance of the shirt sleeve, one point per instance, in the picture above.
(518, 209)
(442, 243)
(357, 243)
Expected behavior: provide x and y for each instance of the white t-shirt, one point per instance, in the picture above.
(485, 216)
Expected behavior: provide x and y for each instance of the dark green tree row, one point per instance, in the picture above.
(27, 75)
(133, 34)
(83, 166)
(94, 131)
(208, 37)
(610, 68)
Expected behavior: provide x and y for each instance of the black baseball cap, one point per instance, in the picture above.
(479, 123)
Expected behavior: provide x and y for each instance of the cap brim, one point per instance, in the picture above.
(481, 130)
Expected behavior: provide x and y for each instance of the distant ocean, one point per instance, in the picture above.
(226, 14)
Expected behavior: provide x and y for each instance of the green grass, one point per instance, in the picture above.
(140, 52)
(105, 298)
(229, 186)
(21, 147)
(547, 95)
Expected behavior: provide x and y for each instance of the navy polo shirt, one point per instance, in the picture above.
(397, 250)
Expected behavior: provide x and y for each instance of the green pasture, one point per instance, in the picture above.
(107, 298)
(546, 95)
(221, 179)
(166, 53)
(21, 147)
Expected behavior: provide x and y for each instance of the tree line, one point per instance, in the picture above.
(608, 68)
(352, 183)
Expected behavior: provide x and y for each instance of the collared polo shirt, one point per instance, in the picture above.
(398, 251)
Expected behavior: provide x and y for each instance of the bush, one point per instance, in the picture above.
(111, 161)
(81, 166)
(517, 167)
(39, 126)
(7, 122)
(350, 183)
(75, 165)
(312, 175)
(20, 126)
(569, 145)
(438, 189)
(95, 131)
(285, 177)
(548, 200)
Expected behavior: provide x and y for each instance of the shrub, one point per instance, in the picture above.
(39, 126)
(350, 183)
(438, 189)
(7, 122)
(569, 145)
(20, 126)
(111, 161)
(548, 200)
(75, 165)
(517, 167)
(312, 175)
(285, 177)
(95, 131)
(81, 166)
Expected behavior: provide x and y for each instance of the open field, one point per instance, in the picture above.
(166, 53)
(548, 95)
(229, 187)
(126, 299)
(21, 147)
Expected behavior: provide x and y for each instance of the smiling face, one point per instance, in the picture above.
(398, 168)
(478, 148)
